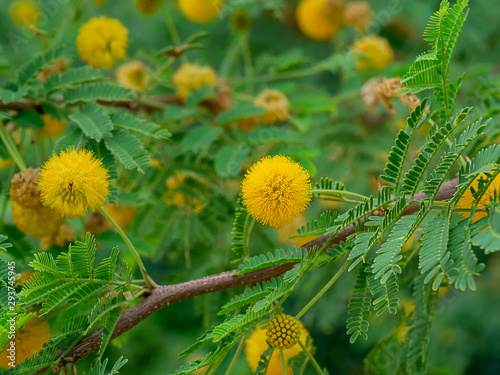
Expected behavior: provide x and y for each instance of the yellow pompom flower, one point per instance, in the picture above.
(467, 199)
(277, 106)
(53, 126)
(38, 222)
(283, 332)
(122, 215)
(24, 12)
(190, 77)
(256, 344)
(201, 11)
(133, 75)
(276, 190)
(73, 182)
(29, 340)
(374, 52)
(102, 42)
(358, 14)
(319, 19)
(147, 7)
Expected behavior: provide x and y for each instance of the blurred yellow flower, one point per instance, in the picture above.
(190, 77)
(99, 2)
(467, 199)
(133, 75)
(276, 190)
(319, 19)
(374, 52)
(38, 222)
(147, 7)
(29, 340)
(201, 11)
(122, 215)
(63, 236)
(358, 14)
(53, 126)
(256, 344)
(102, 42)
(277, 106)
(25, 12)
(73, 182)
(190, 204)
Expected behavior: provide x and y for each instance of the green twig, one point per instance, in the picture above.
(148, 280)
(11, 147)
(323, 291)
(311, 358)
(236, 355)
(172, 30)
(283, 362)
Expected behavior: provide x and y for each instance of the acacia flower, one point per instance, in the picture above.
(102, 42)
(73, 182)
(319, 19)
(257, 343)
(29, 340)
(467, 199)
(283, 332)
(52, 125)
(200, 11)
(276, 190)
(133, 75)
(25, 12)
(374, 52)
(277, 106)
(190, 77)
(358, 14)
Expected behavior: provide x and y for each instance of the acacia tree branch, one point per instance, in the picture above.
(166, 295)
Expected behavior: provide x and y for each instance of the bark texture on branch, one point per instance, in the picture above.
(166, 295)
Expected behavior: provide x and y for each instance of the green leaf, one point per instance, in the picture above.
(130, 122)
(91, 92)
(229, 160)
(71, 77)
(29, 120)
(69, 139)
(200, 137)
(29, 71)
(93, 121)
(199, 95)
(128, 149)
(7, 96)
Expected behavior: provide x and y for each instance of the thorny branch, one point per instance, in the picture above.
(168, 294)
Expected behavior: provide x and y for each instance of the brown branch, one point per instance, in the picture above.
(166, 295)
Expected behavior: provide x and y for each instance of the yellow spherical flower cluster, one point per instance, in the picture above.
(28, 212)
(320, 19)
(133, 75)
(73, 182)
(53, 126)
(374, 52)
(102, 42)
(276, 190)
(467, 200)
(29, 340)
(190, 77)
(201, 11)
(277, 106)
(256, 344)
(283, 332)
(25, 12)
(121, 214)
(358, 14)
(147, 7)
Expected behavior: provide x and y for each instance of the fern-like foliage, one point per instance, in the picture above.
(280, 256)
(318, 227)
(359, 307)
(44, 358)
(251, 295)
(99, 368)
(384, 295)
(326, 183)
(420, 322)
(223, 330)
(128, 150)
(93, 121)
(394, 167)
(434, 256)
(30, 70)
(72, 77)
(72, 277)
(127, 121)
(91, 92)
(415, 175)
(240, 235)
(449, 159)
